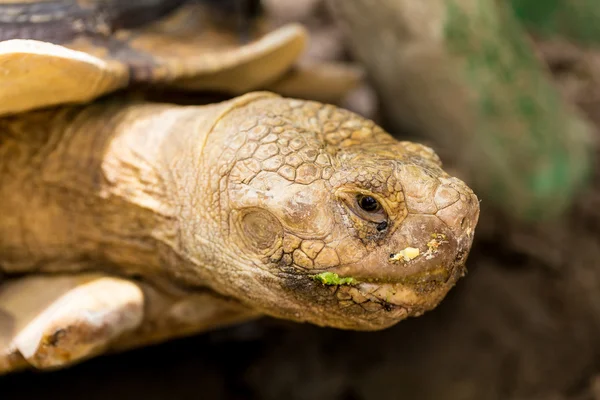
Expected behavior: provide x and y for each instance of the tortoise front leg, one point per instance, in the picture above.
(50, 322)
(53, 321)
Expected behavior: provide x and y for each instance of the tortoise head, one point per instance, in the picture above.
(335, 222)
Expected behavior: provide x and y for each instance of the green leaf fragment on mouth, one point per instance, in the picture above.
(331, 278)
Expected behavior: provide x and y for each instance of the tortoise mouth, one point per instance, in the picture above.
(423, 275)
(399, 297)
(337, 298)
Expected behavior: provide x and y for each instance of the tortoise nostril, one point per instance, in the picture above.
(462, 222)
(382, 226)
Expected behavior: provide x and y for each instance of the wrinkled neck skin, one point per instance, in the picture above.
(268, 211)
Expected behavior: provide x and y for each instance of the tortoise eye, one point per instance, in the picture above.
(364, 207)
(368, 203)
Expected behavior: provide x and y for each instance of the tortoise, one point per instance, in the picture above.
(127, 222)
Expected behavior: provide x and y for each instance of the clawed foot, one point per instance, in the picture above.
(49, 322)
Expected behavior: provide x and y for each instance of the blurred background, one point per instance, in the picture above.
(508, 93)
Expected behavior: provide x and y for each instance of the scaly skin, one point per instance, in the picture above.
(249, 198)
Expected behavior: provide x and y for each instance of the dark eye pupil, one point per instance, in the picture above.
(368, 203)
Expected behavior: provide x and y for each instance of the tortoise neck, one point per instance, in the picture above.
(165, 160)
(136, 187)
(153, 162)
(89, 187)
